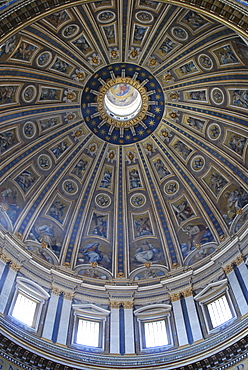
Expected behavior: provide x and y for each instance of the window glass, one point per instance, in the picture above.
(24, 309)
(88, 333)
(219, 311)
(155, 333)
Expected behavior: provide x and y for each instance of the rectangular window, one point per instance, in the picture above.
(219, 311)
(88, 333)
(24, 309)
(155, 334)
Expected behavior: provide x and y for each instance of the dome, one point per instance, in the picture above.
(123, 146)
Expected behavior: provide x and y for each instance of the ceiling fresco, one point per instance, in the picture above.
(108, 196)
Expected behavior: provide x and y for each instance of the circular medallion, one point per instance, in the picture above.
(217, 96)
(179, 33)
(214, 131)
(197, 163)
(44, 162)
(70, 187)
(106, 16)
(144, 17)
(70, 31)
(205, 61)
(44, 58)
(138, 200)
(29, 129)
(122, 110)
(29, 93)
(103, 200)
(171, 187)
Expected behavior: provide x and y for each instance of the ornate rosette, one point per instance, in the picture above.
(137, 124)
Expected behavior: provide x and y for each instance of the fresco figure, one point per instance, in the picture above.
(196, 123)
(161, 168)
(7, 94)
(139, 34)
(80, 168)
(142, 226)
(25, 51)
(240, 98)
(106, 180)
(91, 253)
(197, 235)
(99, 225)
(134, 179)
(182, 211)
(7, 139)
(217, 182)
(236, 200)
(60, 148)
(237, 143)
(56, 210)
(182, 149)
(25, 180)
(194, 19)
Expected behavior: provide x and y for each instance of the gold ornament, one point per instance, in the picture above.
(120, 275)
(153, 62)
(167, 77)
(147, 264)
(175, 297)
(44, 245)
(94, 264)
(174, 96)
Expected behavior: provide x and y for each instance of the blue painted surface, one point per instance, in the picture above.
(187, 321)
(122, 330)
(4, 275)
(57, 319)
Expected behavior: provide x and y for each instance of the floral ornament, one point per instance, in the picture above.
(79, 75)
(111, 156)
(95, 59)
(167, 77)
(69, 116)
(134, 53)
(131, 157)
(153, 62)
(78, 133)
(174, 115)
(69, 96)
(165, 135)
(149, 148)
(174, 96)
(92, 148)
(114, 53)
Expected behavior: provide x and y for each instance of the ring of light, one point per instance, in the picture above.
(122, 116)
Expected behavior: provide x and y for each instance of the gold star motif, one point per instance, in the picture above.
(87, 119)
(151, 123)
(143, 74)
(121, 141)
(96, 75)
(115, 137)
(157, 97)
(157, 110)
(93, 83)
(130, 69)
(95, 130)
(104, 73)
(128, 137)
(102, 132)
(107, 138)
(83, 105)
(93, 123)
(152, 84)
(87, 111)
(141, 132)
(87, 97)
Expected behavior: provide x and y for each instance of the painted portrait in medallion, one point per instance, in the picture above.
(29, 93)
(214, 131)
(43, 59)
(138, 200)
(215, 181)
(171, 187)
(70, 187)
(197, 163)
(217, 96)
(205, 61)
(44, 162)
(235, 142)
(70, 31)
(122, 95)
(29, 129)
(179, 33)
(103, 200)
(106, 16)
(144, 17)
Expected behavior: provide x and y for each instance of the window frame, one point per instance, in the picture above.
(33, 291)
(209, 294)
(153, 313)
(90, 312)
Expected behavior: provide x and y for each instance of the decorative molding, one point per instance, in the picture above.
(175, 297)
(188, 292)
(227, 269)
(4, 258)
(56, 291)
(14, 266)
(115, 304)
(127, 305)
(68, 295)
